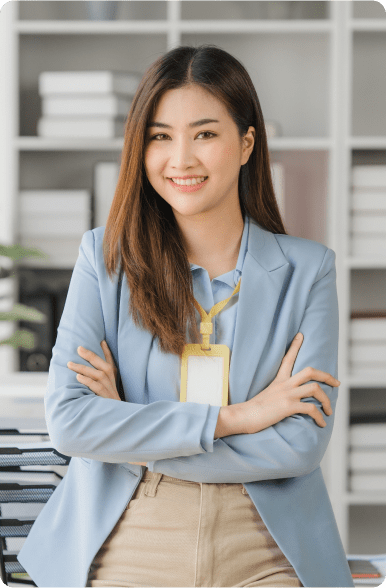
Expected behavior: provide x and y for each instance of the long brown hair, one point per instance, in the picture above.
(141, 231)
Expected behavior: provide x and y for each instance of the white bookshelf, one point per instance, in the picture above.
(320, 73)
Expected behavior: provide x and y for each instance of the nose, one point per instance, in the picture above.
(182, 154)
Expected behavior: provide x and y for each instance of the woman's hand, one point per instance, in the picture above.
(282, 397)
(100, 379)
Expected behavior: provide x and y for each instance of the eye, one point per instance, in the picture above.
(164, 135)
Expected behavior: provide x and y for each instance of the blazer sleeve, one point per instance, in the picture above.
(81, 423)
(295, 445)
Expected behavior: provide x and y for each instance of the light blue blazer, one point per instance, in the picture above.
(288, 285)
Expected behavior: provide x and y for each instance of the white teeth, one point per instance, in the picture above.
(189, 182)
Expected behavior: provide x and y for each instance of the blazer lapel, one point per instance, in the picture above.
(263, 274)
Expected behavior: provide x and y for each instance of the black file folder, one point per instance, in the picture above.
(29, 486)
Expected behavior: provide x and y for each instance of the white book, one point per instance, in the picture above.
(369, 200)
(368, 482)
(361, 460)
(368, 222)
(93, 105)
(370, 329)
(103, 127)
(105, 182)
(368, 435)
(52, 225)
(368, 352)
(54, 202)
(368, 245)
(368, 176)
(88, 82)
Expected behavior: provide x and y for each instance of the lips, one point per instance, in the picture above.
(190, 188)
(188, 178)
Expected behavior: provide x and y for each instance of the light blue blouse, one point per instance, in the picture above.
(207, 293)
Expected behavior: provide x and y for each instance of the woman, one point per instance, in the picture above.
(162, 492)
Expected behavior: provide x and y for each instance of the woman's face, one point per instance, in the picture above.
(181, 144)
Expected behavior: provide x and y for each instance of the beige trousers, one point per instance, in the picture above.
(181, 533)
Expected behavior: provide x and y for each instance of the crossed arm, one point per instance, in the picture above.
(82, 424)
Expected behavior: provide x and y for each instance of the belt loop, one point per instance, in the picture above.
(151, 485)
(244, 490)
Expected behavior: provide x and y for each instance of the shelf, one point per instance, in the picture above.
(368, 24)
(366, 142)
(365, 497)
(309, 27)
(366, 262)
(45, 144)
(48, 144)
(72, 27)
(33, 143)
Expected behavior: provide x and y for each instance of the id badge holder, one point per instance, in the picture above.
(205, 371)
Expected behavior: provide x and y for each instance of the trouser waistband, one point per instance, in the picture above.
(152, 480)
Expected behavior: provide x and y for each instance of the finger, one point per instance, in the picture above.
(310, 373)
(97, 387)
(95, 360)
(288, 360)
(317, 392)
(85, 370)
(106, 383)
(312, 411)
(110, 361)
(107, 352)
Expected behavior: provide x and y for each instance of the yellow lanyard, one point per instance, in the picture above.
(206, 326)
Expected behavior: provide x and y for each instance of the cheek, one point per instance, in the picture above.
(154, 163)
(223, 160)
(227, 154)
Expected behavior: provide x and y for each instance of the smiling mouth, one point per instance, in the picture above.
(205, 178)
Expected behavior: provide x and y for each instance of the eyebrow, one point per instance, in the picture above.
(197, 123)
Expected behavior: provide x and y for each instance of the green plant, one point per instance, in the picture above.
(19, 312)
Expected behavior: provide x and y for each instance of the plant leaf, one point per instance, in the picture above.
(20, 312)
(22, 338)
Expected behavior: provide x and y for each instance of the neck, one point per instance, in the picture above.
(213, 240)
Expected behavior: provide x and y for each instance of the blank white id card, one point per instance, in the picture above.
(204, 375)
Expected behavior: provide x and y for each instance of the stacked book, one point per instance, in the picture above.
(367, 446)
(54, 222)
(367, 452)
(85, 104)
(368, 210)
(368, 343)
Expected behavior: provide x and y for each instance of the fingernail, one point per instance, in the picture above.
(80, 348)
(298, 336)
